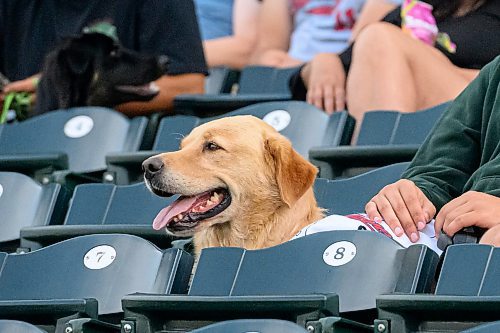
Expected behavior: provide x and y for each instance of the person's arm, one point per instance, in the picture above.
(443, 164)
(170, 28)
(318, 74)
(373, 11)
(325, 77)
(452, 151)
(170, 86)
(470, 209)
(28, 85)
(274, 31)
(234, 51)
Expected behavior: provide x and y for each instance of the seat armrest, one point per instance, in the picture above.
(34, 238)
(401, 313)
(201, 105)
(125, 167)
(146, 309)
(335, 161)
(30, 163)
(45, 310)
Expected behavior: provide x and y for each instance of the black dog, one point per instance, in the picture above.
(94, 69)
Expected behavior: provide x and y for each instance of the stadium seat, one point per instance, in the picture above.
(14, 326)
(101, 209)
(385, 137)
(257, 84)
(24, 202)
(467, 294)
(74, 140)
(305, 125)
(300, 281)
(348, 196)
(256, 326)
(220, 80)
(86, 277)
(493, 327)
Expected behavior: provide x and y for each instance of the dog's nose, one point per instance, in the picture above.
(163, 62)
(151, 166)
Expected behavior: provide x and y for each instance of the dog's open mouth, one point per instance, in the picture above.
(145, 90)
(186, 212)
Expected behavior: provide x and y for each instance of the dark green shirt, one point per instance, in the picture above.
(462, 153)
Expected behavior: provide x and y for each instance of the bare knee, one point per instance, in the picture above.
(376, 41)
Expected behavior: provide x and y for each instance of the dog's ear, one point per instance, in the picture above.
(77, 62)
(294, 174)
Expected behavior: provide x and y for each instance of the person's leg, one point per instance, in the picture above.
(392, 71)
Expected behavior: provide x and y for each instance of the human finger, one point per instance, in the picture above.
(443, 213)
(428, 208)
(314, 97)
(388, 214)
(27, 85)
(403, 215)
(339, 98)
(328, 98)
(372, 212)
(459, 222)
(413, 204)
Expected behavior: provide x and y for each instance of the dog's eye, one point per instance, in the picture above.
(114, 53)
(212, 146)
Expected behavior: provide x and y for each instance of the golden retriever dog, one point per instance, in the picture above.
(240, 183)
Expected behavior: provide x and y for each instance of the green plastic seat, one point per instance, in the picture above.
(220, 80)
(350, 195)
(102, 209)
(485, 328)
(257, 84)
(86, 277)
(15, 326)
(26, 203)
(385, 137)
(300, 281)
(467, 294)
(256, 325)
(74, 140)
(305, 125)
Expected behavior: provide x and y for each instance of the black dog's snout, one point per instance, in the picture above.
(152, 166)
(163, 62)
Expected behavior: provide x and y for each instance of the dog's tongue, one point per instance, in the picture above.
(166, 214)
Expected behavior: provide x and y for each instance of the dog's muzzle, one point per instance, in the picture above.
(152, 167)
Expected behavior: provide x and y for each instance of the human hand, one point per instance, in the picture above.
(26, 85)
(470, 209)
(288, 61)
(325, 79)
(271, 58)
(403, 206)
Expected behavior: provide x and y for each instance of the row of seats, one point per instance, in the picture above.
(238, 325)
(89, 261)
(49, 213)
(79, 145)
(113, 282)
(227, 90)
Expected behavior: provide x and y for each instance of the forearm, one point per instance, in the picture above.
(452, 152)
(274, 28)
(373, 11)
(170, 86)
(230, 51)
